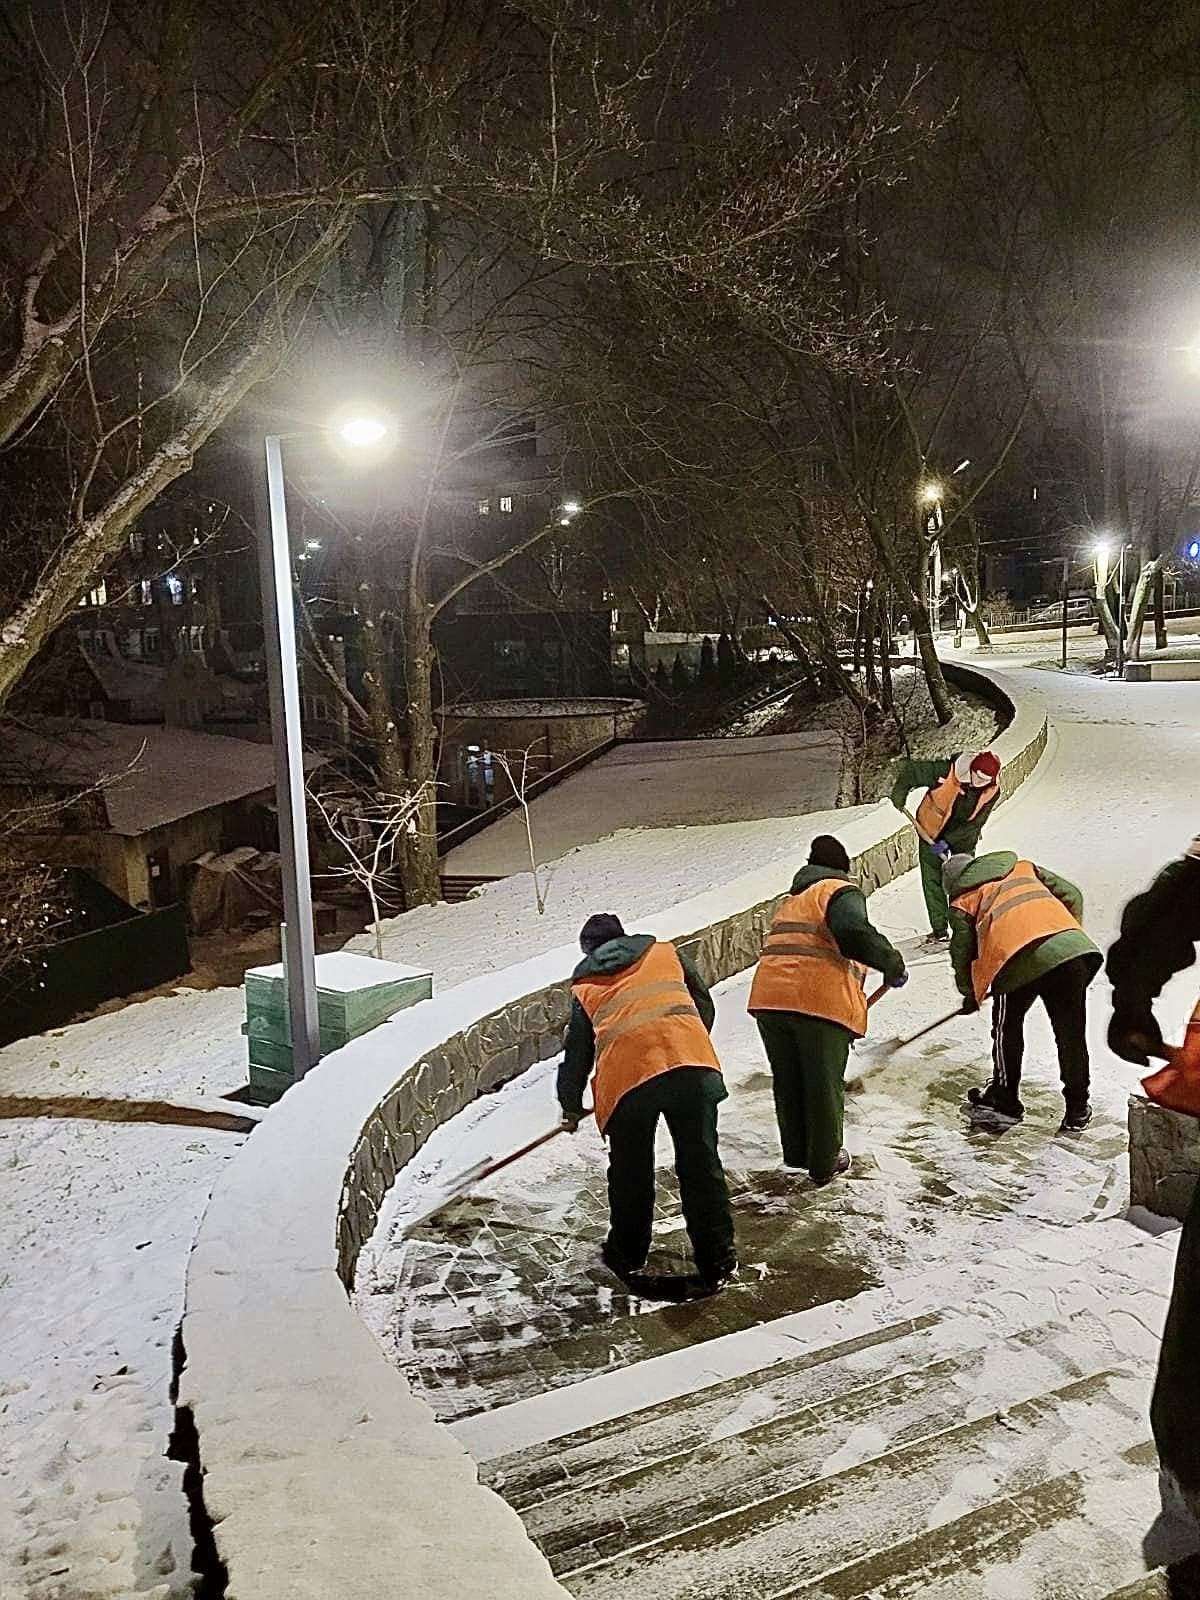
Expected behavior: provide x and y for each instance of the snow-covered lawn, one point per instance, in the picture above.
(98, 1217)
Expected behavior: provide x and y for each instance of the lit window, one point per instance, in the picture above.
(483, 507)
(175, 587)
(147, 592)
(506, 502)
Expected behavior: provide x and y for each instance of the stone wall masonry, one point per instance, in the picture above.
(1164, 1158)
(326, 1479)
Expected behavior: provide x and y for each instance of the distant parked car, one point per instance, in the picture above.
(1080, 608)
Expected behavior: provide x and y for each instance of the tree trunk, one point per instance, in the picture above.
(868, 630)
(1160, 612)
(1108, 622)
(981, 628)
(1139, 605)
(918, 612)
(887, 694)
(421, 883)
(939, 692)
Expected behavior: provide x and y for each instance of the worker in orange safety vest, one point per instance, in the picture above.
(1015, 935)
(809, 1004)
(960, 795)
(640, 1016)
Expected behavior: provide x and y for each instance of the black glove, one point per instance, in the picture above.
(970, 1005)
(898, 980)
(571, 1121)
(1135, 1036)
(941, 850)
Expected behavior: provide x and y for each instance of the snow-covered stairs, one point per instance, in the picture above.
(992, 1443)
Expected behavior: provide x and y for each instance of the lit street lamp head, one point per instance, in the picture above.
(930, 492)
(571, 507)
(363, 431)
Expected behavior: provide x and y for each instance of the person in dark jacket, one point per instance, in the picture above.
(960, 794)
(808, 1001)
(1160, 930)
(640, 1016)
(1016, 935)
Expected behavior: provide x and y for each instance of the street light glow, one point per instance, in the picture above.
(931, 492)
(363, 431)
(571, 507)
(1193, 550)
(1101, 547)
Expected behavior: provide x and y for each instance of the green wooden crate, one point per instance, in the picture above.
(268, 1085)
(354, 994)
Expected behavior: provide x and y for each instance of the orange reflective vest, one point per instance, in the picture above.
(937, 803)
(1177, 1085)
(645, 1022)
(801, 968)
(1008, 915)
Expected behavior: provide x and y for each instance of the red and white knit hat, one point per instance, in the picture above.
(985, 766)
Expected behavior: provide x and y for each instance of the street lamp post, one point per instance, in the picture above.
(360, 432)
(1121, 612)
(283, 684)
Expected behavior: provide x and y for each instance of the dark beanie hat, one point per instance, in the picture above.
(599, 930)
(826, 851)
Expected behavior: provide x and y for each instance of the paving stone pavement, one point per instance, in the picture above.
(503, 1295)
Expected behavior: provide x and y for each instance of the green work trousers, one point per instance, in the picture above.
(808, 1066)
(936, 904)
(687, 1098)
(1175, 1407)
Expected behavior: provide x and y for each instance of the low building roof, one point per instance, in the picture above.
(151, 776)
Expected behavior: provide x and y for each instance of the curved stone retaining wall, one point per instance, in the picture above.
(323, 1475)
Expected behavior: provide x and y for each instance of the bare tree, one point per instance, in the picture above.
(370, 828)
(518, 781)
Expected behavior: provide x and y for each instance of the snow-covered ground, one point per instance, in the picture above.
(1104, 810)
(666, 783)
(98, 1217)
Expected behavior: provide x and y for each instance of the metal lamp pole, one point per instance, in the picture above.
(283, 683)
(1121, 613)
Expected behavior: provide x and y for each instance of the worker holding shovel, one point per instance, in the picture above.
(640, 1015)
(1016, 936)
(809, 1002)
(960, 794)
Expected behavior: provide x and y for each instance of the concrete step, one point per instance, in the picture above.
(993, 1445)
(791, 1541)
(870, 1418)
(809, 1359)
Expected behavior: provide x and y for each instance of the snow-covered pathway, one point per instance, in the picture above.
(1105, 808)
(503, 1319)
(98, 1218)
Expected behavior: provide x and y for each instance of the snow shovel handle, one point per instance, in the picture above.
(878, 995)
(921, 834)
(932, 1027)
(525, 1150)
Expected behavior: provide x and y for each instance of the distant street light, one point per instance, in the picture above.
(572, 507)
(931, 493)
(1193, 551)
(283, 683)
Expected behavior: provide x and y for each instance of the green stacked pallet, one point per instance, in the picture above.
(354, 994)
